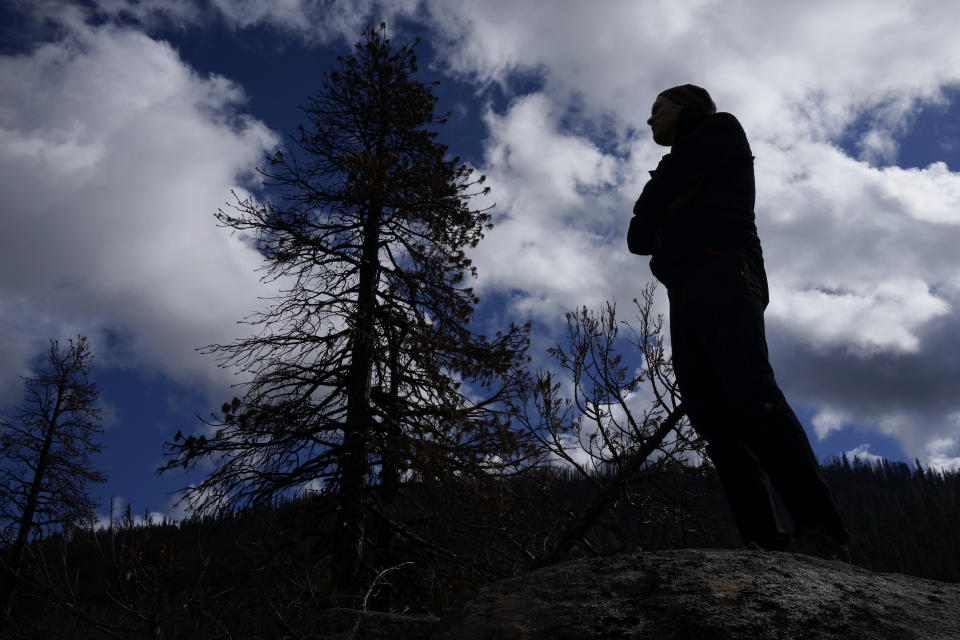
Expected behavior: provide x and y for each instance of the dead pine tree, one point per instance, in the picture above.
(45, 457)
(610, 423)
(363, 372)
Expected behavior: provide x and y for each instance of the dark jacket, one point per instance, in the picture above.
(699, 199)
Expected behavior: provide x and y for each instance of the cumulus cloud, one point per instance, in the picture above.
(818, 62)
(544, 179)
(311, 22)
(114, 155)
(939, 450)
(883, 317)
(863, 453)
(828, 419)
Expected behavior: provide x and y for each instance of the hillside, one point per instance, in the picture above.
(261, 573)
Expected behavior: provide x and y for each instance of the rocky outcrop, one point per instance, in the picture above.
(685, 595)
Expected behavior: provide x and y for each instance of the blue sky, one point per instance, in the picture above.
(124, 126)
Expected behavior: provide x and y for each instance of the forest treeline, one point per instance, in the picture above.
(901, 519)
(383, 453)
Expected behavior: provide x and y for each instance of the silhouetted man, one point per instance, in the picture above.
(695, 218)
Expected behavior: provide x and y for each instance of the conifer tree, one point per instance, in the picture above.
(363, 371)
(45, 456)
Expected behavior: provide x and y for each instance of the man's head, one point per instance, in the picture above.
(665, 112)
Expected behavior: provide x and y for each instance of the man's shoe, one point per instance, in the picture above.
(778, 542)
(815, 541)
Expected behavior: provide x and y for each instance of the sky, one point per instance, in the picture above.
(125, 125)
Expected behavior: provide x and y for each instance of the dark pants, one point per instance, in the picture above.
(732, 399)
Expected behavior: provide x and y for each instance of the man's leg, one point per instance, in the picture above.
(777, 437)
(745, 483)
(748, 492)
(725, 304)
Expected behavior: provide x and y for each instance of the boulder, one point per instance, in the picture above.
(690, 595)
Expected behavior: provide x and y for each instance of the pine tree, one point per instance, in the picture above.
(45, 456)
(364, 370)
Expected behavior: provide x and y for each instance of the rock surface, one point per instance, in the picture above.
(686, 595)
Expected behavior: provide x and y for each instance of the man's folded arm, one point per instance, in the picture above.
(681, 173)
(642, 235)
(708, 148)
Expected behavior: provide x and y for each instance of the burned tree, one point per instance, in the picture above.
(363, 371)
(45, 456)
(591, 423)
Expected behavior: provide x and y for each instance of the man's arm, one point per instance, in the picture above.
(642, 235)
(719, 141)
(679, 177)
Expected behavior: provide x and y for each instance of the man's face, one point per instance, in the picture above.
(663, 120)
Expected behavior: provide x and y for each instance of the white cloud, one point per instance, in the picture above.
(878, 146)
(863, 453)
(885, 316)
(943, 451)
(828, 419)
(930, 194)
(114, 156)
(542, 242)
(308, 21)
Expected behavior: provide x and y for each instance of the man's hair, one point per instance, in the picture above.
(692, 97)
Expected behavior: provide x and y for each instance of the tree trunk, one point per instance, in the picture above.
(578, 528)
(15, 561)
(349, 533)
(389, 460)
